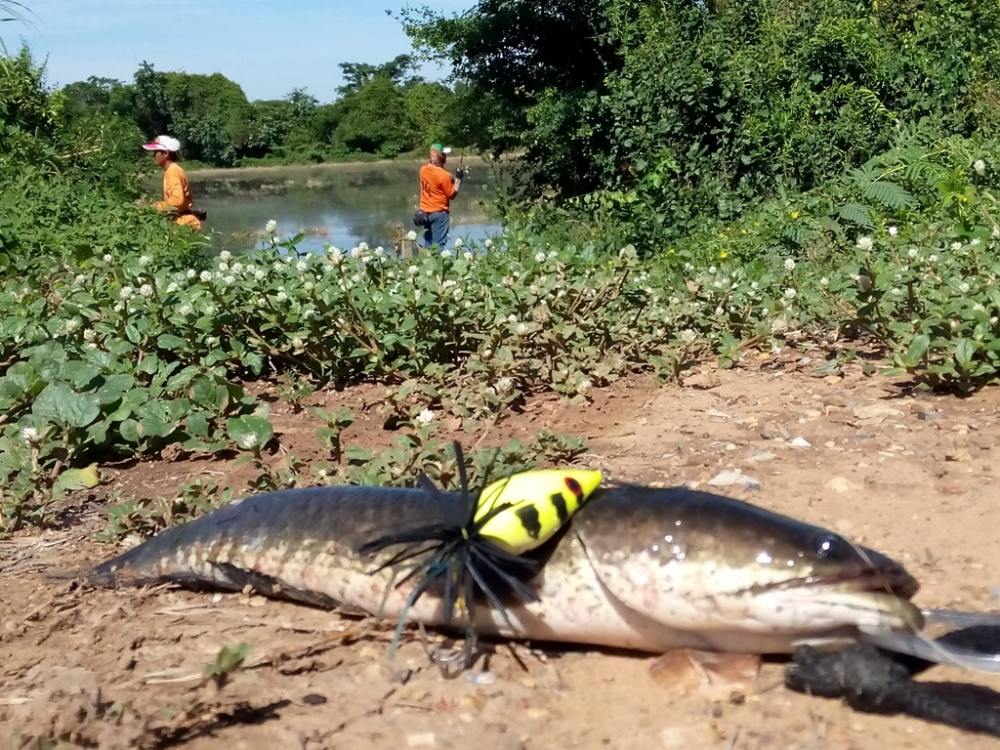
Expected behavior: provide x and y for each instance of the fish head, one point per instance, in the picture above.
(696, 560)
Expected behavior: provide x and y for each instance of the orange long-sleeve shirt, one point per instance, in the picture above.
(177, 196)
(437, 188)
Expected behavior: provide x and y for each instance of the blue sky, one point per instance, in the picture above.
(268, 47)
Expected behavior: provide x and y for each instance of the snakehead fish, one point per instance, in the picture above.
(636, 568)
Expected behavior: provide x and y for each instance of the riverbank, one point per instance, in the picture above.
(318, 170)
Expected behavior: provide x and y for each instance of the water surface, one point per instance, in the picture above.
(336, 204)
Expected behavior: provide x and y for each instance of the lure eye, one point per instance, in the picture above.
(574, 486)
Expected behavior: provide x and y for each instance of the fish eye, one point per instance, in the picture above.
(832, 547)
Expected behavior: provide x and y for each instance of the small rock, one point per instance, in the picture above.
(482, 678)
(958, 455)
(718, 414)
(800, 442)
(876, 411)
(772, 430)
(421, 739)
(839, 484)
(759, 458)
(730, 478)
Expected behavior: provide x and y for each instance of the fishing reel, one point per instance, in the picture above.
(462, 172)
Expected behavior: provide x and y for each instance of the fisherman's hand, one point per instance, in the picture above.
(461, 173)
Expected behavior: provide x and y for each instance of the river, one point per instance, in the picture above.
(333, 204)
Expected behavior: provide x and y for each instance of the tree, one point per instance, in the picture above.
(376, 120)
(359, 75)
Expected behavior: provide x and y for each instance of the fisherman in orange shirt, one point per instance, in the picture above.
(437, 189)
(176, 192)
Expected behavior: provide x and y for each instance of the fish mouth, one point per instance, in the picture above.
(893, 581)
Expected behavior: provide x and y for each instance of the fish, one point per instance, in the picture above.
(636, 568)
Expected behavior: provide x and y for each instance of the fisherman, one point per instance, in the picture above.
(176, 191)
(437, 189)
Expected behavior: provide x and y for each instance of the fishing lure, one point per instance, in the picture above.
(484, 552)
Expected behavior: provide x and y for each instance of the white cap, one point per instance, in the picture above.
(163, 143)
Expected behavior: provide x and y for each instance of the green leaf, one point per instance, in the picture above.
(61, 404)
(250, 432)
(170, 342)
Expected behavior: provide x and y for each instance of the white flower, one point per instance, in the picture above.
(584, 386)
(71, 325)
(754, 285)
(281, 296)
(963, 288)
(425, 417)
(277, 266)
(712, 269)
(91, 344)
(362, 247)
(301, 266)
(126, 293)
(237, 268)
(458, 243)
(789, 264)
(260, 274)
(223, 266)
(144, 260)
(790, 293)
(29, 435)
(119, 306)
(467, 255)
(108, 258)
(448, 283)
(487, 353)
(171, 287)
(411, 235)
(89, 334)
(687, 336)
(865, 243)
(447, 253)
(824, 281)
(896, 291)
(953, 324)
(893, 231)
(503, 385)
(288, 258)
(185, 310)
(980, 166)
(932, 258)
(956, 245)
(191, 273)
(539, 257)
(336, 257)
(488, 242)
(913, 252)
(146, 290)
(976, 242)
(79, 278)
(978, 307)
(271, 226)
(521, 329)
(228, 280)
(297, 342)
(205, 276)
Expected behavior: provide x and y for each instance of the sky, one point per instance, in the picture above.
(269, 47)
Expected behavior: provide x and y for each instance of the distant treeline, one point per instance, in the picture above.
(381, 110)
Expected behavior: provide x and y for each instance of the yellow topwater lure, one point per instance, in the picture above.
(523, 511)
(487, 552)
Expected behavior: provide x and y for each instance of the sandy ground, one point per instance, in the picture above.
(914, 476)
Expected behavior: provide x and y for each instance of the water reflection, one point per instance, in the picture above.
(340, 205)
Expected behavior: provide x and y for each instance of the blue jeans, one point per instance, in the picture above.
(436, 229)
